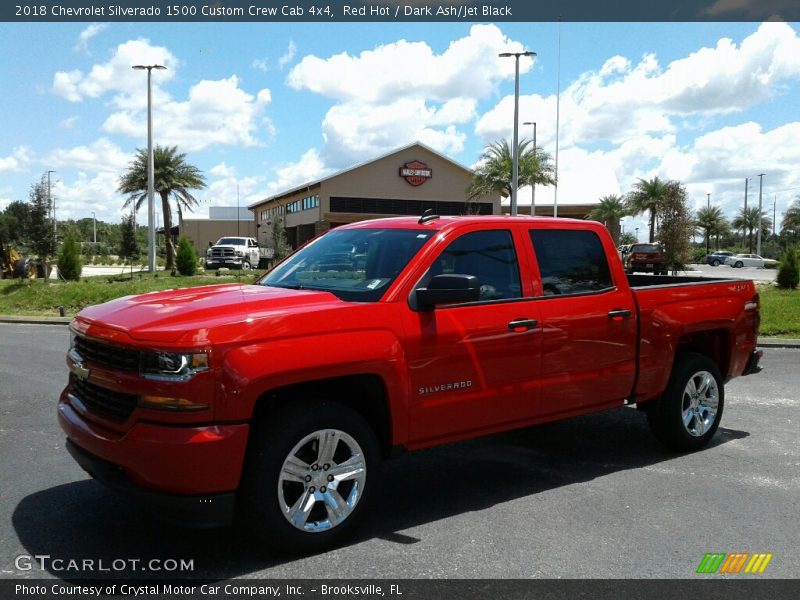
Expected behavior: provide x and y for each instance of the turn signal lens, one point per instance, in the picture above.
(169, 403)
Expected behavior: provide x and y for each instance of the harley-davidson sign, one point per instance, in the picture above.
(415, 172)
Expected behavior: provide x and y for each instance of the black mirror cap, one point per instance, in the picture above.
(448, 289)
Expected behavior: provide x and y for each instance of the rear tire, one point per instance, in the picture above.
(309, 476)
(689, 412)
(739, 264)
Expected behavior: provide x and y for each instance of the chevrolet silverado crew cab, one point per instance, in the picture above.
(280, 399)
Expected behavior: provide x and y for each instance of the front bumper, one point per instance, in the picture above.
(217, 263)
(186, 473)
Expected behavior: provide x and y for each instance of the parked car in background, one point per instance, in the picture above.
(647, 258)
(717, 258)
(745, 260)
(234, 252)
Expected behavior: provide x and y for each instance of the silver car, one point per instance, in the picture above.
(745, 260)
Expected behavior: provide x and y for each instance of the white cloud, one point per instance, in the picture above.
(288, 56)
(310, 167)
(216, 112)
(404, 91)
(101, 156)
(622, 101)
(69, 122)
(87, 34)
(18, 160)
(116, 74)
(261, 64)
(468, 68)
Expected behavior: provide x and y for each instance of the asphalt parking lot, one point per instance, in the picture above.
(594, 497)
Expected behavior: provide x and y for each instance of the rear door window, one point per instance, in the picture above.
(570, 261)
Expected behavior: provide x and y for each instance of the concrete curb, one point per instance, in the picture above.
(763, 342)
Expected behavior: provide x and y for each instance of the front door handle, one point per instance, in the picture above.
(619, 313)
(522, 324)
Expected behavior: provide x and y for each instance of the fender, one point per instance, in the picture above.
(252, 370)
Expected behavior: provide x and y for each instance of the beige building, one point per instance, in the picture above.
(222, 221)
(406, 181)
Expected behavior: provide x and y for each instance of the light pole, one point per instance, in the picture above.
(514, 149)
(94, 228)
(708, 200)
(744, 214)
(637, 234)
(151, 211)
(536, 164)
(758, 223)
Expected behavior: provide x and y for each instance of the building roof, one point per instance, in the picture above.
(310, 184)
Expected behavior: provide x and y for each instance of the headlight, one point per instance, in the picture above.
(173, 366)
(239, 253)
(208, 252)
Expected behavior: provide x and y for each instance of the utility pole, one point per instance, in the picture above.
(774, 204)
(744, 214)
(558, 117)
(708, 200)
(758, 223)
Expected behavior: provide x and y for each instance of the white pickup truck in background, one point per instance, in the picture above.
(237, 253)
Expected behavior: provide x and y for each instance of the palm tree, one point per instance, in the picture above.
(172, 176)
(749, 219)
(790, 225)
(645, 198)
(610, 211)
(493, 175)
(710, 221)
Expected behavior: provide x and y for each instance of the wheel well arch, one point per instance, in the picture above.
(714, 343)
(364, 393)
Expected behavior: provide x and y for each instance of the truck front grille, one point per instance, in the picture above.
(114, 406)
(107, 355)
(223, 252)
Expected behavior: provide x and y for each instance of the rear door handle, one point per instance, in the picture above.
(522, 324)
(619, 313)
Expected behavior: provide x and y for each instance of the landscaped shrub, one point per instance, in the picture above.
(69, 259)
(789, 272)
(186, 259)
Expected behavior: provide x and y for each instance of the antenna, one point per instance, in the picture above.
(427, 216)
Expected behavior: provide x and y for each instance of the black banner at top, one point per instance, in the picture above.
(269, 11)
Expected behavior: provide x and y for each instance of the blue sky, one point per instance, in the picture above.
(267, 106)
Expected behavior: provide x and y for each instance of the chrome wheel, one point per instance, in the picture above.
(700, 403)
(321, 480)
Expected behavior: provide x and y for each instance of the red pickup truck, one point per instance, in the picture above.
(279, 400)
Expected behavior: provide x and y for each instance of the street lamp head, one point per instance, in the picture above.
(505, 54)
(145, 67)
(529, 123)
(517, 54)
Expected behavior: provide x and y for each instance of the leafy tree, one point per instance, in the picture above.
(40, 229)
(790, 225)
(627, 238)
(789, 271)
(676, 227)
(646, 197)
(129, 245)
(711, 221)
(69, 259)
(610, 211)
(748, 220)
(15, 223)
(494, 173)
(280, 244)
(173, 177)
(186, 259)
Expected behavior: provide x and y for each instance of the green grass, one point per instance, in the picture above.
(37, 298)
(780, 312)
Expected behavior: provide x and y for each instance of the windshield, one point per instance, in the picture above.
(232, 242)
(354, 264)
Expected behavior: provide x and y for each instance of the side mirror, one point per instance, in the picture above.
(448, 289)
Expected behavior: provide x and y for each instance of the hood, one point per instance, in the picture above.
(190, 315)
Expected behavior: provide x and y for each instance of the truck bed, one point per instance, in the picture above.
(648, 281)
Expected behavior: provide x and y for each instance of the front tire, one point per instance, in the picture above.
(715, 263)
(246, 265)
(688, 414)
(309, 476)
(739, 264)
